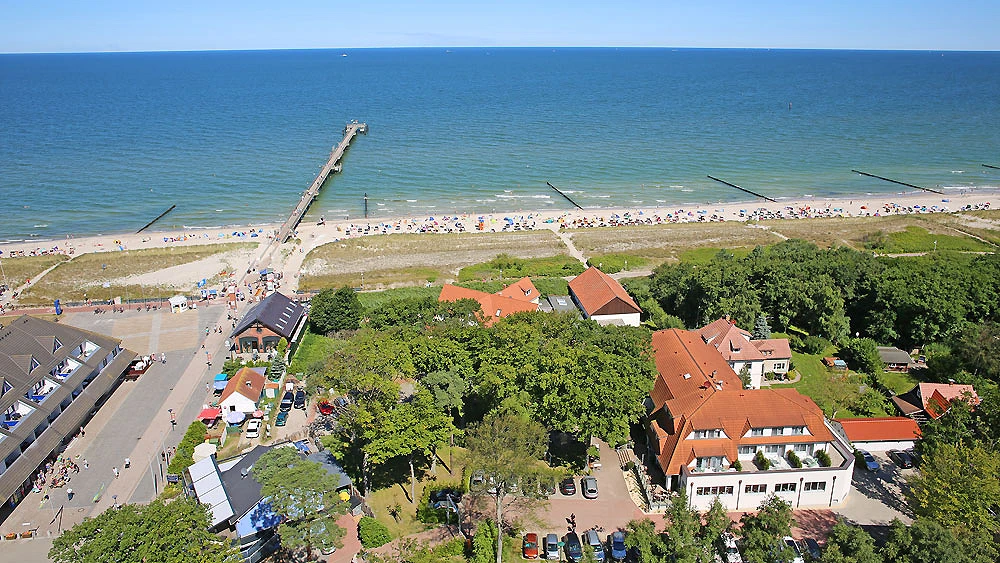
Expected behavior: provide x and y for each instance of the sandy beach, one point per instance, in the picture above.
(312, 234)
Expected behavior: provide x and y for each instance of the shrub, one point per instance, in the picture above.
(823, 458)
(793, 459)
(614, 263)
(761, 461)
(737, 465)
(184, 455)
(814, 345)
(373, 533)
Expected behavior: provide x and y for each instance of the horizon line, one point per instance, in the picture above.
(502, 47)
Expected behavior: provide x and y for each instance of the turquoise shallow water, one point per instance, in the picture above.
(99, 143)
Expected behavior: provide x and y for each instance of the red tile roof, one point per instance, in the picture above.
(731, 341)
(600, 294)
(774, 348)
(937, 396)
(493, 306)
(884, 429)
(698, 390)
(522, 290)
(246, 382)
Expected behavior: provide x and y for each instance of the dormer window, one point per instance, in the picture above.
(704, 434)
(56, 344)
(498, 312)
(34, 364)
(756, 431)
(798, 430)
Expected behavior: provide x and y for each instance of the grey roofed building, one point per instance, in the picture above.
(51, 377)
(562, 304)
(274, 318)
(894, 358)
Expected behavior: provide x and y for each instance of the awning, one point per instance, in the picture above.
(210, 414)
(221, 377)
(258, 414)
(235, 417)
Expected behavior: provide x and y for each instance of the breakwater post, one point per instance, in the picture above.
(732, 185)
(897, 182)
(575, 204)
(158, 217)
(991, 166)
(366, 205)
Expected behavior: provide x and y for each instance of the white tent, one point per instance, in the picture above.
(204, 450)
(178, 303)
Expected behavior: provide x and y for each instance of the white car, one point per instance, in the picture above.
(731, 553)
(253, 428)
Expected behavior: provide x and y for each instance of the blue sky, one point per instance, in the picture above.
(140, 25)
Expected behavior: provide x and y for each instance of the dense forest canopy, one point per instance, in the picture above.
(836, 292)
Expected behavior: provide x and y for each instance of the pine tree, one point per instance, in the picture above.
(761, 330)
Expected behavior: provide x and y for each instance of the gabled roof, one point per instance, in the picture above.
(240, 484)
(522, 290)
(246, 382)
(600, 294)
(774, 348)
(937, 397)
(893, 355)
(731, 341)
(493, 306)
(276, 312)
(697, 390)
(883, 429)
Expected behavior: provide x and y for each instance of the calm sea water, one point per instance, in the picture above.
(101, 143)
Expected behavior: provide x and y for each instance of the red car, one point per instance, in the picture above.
(530, 548)
(325, 408)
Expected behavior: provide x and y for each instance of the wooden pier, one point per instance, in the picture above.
(332, 166)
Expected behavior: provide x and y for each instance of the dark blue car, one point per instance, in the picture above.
(618, 550)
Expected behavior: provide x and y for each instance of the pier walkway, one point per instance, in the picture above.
(332, 165)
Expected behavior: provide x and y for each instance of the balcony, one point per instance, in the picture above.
(86, 350)
(15, 414)
(65, 369)
(41, 390)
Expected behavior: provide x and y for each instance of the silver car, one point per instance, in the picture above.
(551, 545)
(589, 486)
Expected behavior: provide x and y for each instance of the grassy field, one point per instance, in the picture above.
(373, 299)
(856, 231)
(705, 254)
(18, 270)
(663, 243)
(918, 239)
(508, 268)
(86, 273)
(312, 348)
(616, 262)
(409, 259)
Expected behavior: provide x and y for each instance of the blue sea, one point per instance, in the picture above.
(102, 143)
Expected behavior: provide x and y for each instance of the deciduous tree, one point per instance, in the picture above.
(762, 532)
(957, 486)
(332, 310)
(174, 532)
(850, 544)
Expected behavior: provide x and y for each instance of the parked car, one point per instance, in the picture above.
(551, 547)
(253, 428)
(812, 548)
(547, 487)
(792, 545)
(281, 419)
(567, 486)
(300, 399)
(477, 480)
(573, 547)
(286, 402)
(730, 551)
(529, 548)
(618, 549)
(901, 458)
(325, 408)
(589, 486)
(594, 543)
(870, 462)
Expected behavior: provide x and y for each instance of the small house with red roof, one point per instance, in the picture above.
(521, 290)
(493, 306)
(603, 299)
(243, 391)
(738, 348)
(932, 400)
(879, 434)
(706, 431)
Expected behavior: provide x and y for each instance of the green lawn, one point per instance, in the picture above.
(917, 239)
(312, 348)
(373, 299)
(509, 267)
(898, 382)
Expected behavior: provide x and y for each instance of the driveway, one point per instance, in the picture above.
(877, 497)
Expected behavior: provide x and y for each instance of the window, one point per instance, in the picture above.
(774, 449)
(56, 344)
(34, 364)
(784, 488)
(714, 462)
(713, 491)
(798, 430)
(777, 431)
(756, 431)
(802, 447)
(748, 450)
(815, 486)
(779, 365)
(762, 489)
(715, 433)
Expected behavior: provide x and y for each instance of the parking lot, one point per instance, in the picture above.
(877, 497)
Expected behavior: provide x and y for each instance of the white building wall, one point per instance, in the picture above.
(241, 402)
(884, 446)
(626, 319)
(756, 372)
(837, 486)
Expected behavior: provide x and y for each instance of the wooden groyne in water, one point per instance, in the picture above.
(351, 130)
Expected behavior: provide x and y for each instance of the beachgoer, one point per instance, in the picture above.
(69, 493)
(128, 463)
(82, 433)
(86, 465)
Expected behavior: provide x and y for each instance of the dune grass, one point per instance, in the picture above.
(86, 274)
(506, 267)
(19, 270)
(665, 243)
(918, 239)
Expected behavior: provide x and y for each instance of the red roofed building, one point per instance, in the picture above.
(932, 400)
(739, 350)
(880, 434)
(493, 306)
(603, 299)
(702, 421)
(243, 391)
(522, 290)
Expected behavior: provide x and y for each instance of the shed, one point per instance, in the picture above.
(266, 323)
(178, 304)
(880, 434)
(894, 358)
